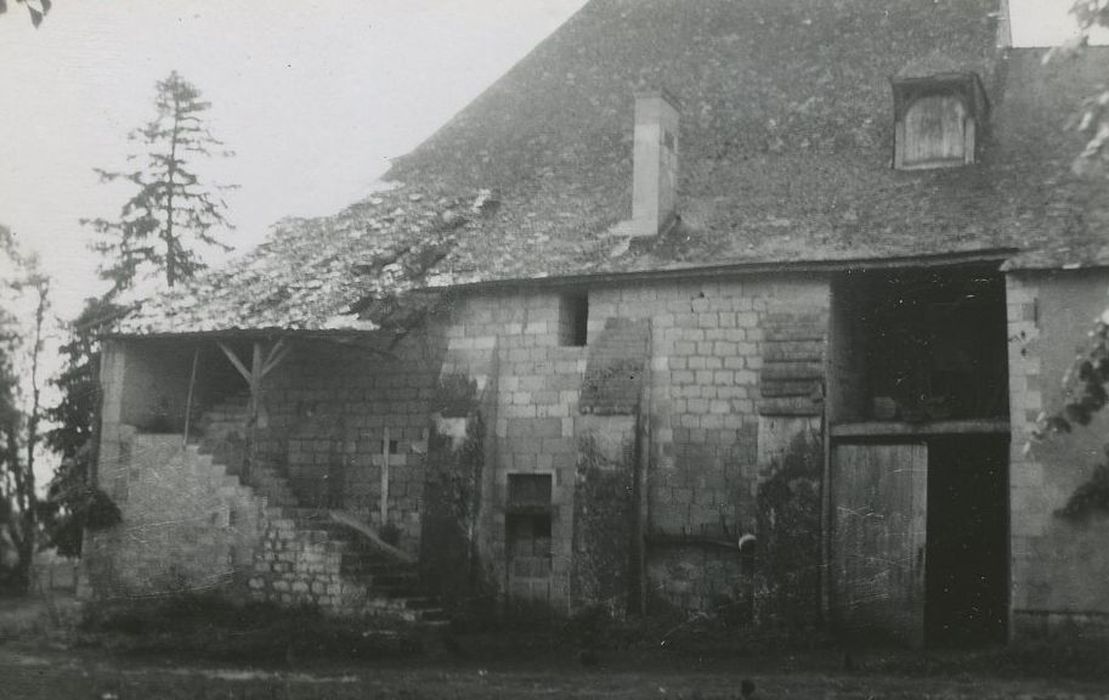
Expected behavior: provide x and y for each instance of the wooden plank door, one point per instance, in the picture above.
(880, 506)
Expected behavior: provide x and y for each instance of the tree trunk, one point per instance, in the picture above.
(171, 262)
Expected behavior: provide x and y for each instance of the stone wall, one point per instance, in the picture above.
(701, 406)
(294, 566)
(510, 345)
(324, 416)
(1058, 567)
(186, 525)
(682, 367)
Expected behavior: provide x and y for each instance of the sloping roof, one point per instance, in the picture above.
(340, 272)
(786, 143)
(1059, 219)
(786, 138)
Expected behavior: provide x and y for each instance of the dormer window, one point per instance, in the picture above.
(937, 120)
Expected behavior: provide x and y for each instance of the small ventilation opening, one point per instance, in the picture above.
(573, 319)
(529, 491)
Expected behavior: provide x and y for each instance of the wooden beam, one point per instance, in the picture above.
(273, 350)
(385, 478)
(349, 520)
(189, 397)
(277, 355)
(235, 361)
(256, 368)
(255, 381)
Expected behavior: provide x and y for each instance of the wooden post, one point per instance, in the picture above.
(255, 383)
(385, 478)
(189, 398)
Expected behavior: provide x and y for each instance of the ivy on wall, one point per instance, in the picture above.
(1085, 394)
(787, 585)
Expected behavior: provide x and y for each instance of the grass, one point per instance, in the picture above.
(208, 627)
(201, 646)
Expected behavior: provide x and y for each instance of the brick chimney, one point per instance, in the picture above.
(655, 162)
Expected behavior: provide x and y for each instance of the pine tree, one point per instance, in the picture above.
(73, 504)
(172, 213)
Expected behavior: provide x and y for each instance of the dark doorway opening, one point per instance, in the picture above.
(966, 575)
(921, 345)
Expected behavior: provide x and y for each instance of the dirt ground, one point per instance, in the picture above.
(39, 658)
(43, 673)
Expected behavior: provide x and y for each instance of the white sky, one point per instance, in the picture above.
(314, 96)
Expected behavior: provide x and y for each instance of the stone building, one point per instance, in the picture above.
(742, 307)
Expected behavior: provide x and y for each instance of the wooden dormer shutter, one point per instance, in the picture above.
(937, 121)
(937, 131)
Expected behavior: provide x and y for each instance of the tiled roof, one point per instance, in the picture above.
(786, 144)
(342, 272)
(786, 140)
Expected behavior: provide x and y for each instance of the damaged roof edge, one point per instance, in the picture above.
(997, 255)
(272, 333)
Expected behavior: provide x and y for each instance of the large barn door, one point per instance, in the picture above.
(880, 506)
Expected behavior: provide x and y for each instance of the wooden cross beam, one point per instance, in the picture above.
(259, 368)
(236, 362)
(276, 356)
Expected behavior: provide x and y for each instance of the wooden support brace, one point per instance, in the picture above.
(235, 361)
(276, 356)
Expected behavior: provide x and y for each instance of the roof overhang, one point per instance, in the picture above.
(990, 256)
(968, 85)
(267, 334)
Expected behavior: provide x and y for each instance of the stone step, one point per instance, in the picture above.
(413, 603)
(429, 617)
(354, 562)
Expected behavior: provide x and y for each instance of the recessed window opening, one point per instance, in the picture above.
(938, 119)
(528, 521)
(526, 491)
(573, 319)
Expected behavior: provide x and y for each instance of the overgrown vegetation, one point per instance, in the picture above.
(788, 561)
(604, 526)
(159, 230)
(209, 626)
(73, 502)
(452, 499)
(24, 303)
(1085, 392)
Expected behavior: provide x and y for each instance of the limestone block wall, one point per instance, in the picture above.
(708, 344)
(324, 420)
(702, 408)
(300, 567)
(510, 344)
(1058, 567)
(186, 524)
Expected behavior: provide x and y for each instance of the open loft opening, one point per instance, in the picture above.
(919, 345)
(165, 380)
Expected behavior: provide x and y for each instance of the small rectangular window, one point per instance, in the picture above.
(529, 490)
(573, 319)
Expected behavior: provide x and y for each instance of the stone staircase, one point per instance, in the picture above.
(306, 557)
